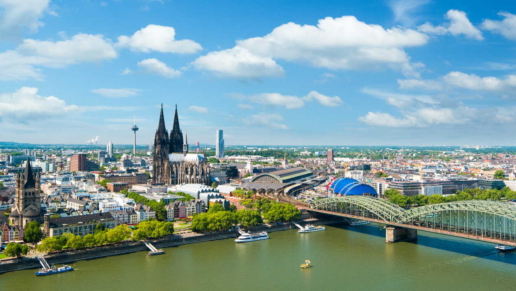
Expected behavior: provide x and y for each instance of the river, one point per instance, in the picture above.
(343, 258)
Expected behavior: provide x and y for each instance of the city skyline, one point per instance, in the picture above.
(382, 73)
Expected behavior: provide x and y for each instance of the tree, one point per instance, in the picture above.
(213, 160)
(118, 234)
(391, 192)
(249, 218)
(104, 183)
(216, 208)
(1, 185)
(435, 199)
(102, 168)
(16, 250)
(32, 232)
(99, 227)
(248, 175)
(499, 174)
(232, 208)
(381, 174)
(214, 185)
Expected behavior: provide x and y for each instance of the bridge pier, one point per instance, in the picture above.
(396, 233)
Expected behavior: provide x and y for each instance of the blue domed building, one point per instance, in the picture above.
(348, 186)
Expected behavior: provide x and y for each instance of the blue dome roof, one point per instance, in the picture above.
(347, 186)
(340, 183)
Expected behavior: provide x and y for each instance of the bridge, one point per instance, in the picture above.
(489, 221)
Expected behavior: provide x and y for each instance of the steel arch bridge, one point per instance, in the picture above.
(476, 219)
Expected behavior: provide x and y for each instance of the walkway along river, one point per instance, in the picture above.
(344, 258)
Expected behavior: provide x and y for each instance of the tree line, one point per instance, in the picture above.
(395, 196)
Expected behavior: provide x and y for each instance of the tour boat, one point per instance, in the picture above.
(51, 271)
(306, 265)
(503, 248)
(248, 237)
(309, 228)
(360, 222)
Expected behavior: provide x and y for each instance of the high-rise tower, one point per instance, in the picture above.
(176, 136)
(134, 129)
(109, 149)
(219, 152)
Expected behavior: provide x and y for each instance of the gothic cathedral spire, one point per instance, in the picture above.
(176, 136)
(160, 169)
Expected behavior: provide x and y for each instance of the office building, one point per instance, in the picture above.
(78, 163)
(219, 152)
(330, 156)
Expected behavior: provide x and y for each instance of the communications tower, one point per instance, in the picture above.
(134, 129)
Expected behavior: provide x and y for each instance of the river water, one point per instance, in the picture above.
(343, 258)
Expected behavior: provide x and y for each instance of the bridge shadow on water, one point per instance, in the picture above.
(440, 242)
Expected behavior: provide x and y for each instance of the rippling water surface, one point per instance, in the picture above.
(344, 258)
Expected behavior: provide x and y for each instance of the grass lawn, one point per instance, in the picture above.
(2, 256)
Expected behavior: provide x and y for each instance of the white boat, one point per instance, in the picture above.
(249, 237)
(309, 228)
(359, 222)
(503, 248)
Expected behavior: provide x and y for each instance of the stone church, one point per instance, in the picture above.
(27, 205)
(172, 163)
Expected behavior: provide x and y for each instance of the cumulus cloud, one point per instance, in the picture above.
(430, 85)
(156, 67)
(506, 27)
(17, 16)
(335, 43)
(160, 39)
(25, 61)
(288, 101)
(404, 9)
(474, 82)
(245, 106)
(418, 111)
(238, 62)
(265, 120)
(324, 100)
(458, 24)
(117, 93)
(26, 105)
(198, 109)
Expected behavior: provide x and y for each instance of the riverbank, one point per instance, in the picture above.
(67, 257)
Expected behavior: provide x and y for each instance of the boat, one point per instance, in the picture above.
(359, 222)
(309, 228)
(306, 265)
(503, 248)
(249, 237)
(54, 270)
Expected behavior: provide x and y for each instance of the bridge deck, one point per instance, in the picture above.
(461, 235)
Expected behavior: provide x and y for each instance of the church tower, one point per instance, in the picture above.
(27, 201)
(160, 165)
(176, 137)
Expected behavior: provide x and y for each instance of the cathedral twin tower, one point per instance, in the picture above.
(172, 163)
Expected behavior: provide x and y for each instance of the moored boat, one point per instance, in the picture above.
(311, 228)
(249, 237)
(360, 222)
(51, 271)
(306, 265)
(503, 248)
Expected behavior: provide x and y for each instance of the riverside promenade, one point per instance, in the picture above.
(71, 256)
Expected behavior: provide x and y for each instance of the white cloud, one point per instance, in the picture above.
(276, 99)
(474, 82)
(430, 85)
(335, 43)
(245, 106)
(324, 100)
(160, 39)
(238, 62)
(126, 71)
(154, 66)
(265, 120)
(419, 111)
(288, 101)
(459, 24)
(25, 62)
(506, 27)
(117, 93)
(404, 9)
(198, 109)
(80, 48)
(26, 105)
(18, 15)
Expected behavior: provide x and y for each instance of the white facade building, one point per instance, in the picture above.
(219, 144)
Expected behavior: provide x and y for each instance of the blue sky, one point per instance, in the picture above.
(403, 72)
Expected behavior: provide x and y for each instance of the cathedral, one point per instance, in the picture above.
(27, 205)
(172, 163)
